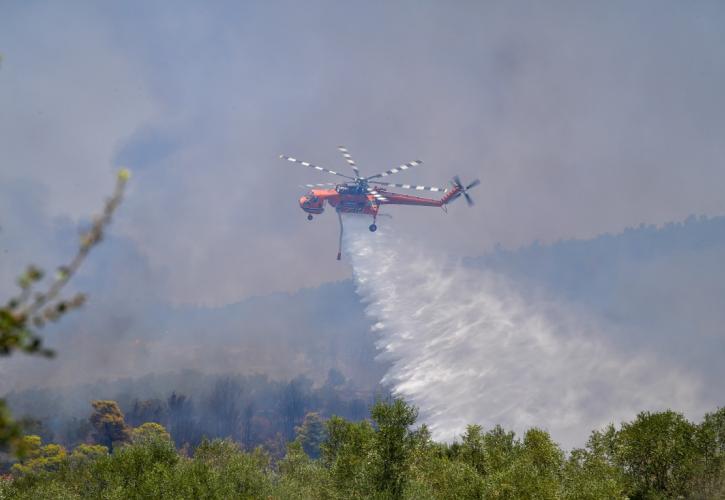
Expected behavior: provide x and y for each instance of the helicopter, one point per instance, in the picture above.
(365, 195)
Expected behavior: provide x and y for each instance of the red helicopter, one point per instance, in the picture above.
(363, 195)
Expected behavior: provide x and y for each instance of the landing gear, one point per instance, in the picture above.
(309, 216)
(373, 228)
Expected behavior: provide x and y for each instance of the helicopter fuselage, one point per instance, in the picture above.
(347, 199)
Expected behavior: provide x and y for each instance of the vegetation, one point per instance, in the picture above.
(25, 314)
(658, 455)
(251, 409)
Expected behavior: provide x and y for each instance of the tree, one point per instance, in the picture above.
(473, 449)
(311, 434)
(393, 444)
(346, 452)
(87, 453)
(149, 431)
(39, 458)
(247, 422)
(224, 408)
(709, 478)
(147, 410)
(181, 419)
(590, 472)
(657, 453)
(501, 449)
(292, 405)
(108, 423)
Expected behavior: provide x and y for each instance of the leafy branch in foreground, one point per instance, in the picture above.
(29, 311)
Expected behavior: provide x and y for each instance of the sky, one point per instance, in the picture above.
(578, 117)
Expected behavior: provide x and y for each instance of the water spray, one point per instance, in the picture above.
(465, 347)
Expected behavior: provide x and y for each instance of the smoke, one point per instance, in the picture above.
(466, 347)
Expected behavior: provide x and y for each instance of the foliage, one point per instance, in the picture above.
(311, 434)
(31, 309)
(188, 416)
(221, 469)
(347, 452)
(28, 312)
(87, 452)
(590, 474)
(149, 431)
(394, 445)
(709, 478)
(302, 477)
(109, 424)
(39, 458)
(658, 455)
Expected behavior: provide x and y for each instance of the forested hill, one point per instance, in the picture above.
(661, 289)
(281, 335)
(594, 269)
(662, 286)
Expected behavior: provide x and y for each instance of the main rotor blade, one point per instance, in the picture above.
(320, 184)
(316, 167)
(396, 170)
(377, 195)
(349, 160)
(410, 186)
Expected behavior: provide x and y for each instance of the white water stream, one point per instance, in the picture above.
(465, 347)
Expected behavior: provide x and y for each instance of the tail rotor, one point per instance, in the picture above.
(461, 189)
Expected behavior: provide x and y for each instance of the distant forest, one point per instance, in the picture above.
(253, 410)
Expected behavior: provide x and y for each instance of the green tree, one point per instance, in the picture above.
(709, 478)
(473, 448)
(311, 434)
(87, 453)
(302, 477)
(39, 458)
(393, 444)
(590, 472)
(149, 431)
(108, 424)
(220, 469)
(658, 454)
(346, 452)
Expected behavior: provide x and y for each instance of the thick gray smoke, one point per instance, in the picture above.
(466, 347)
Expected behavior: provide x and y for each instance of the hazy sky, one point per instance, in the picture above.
(578, 117)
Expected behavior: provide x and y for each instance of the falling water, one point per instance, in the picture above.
(465, 347)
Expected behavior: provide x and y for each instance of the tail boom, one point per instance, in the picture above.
(450, 195)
